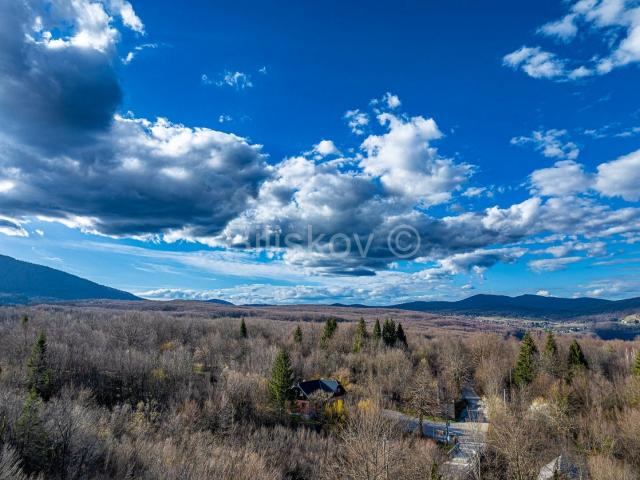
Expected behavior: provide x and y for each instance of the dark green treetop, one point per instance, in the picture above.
(297, 334)
(31, 436)
(550, 345)
(400, 336)
(525, 370)
(243, 329)
(281, 380)
(38, 371)
(389, 332)
(576, 358)
(330, 327)
(377, 331)
(550, 362)
(360, 336)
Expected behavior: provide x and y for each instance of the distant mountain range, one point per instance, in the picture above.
(23, 282)
(524, 306)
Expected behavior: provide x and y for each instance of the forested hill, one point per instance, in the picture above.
(23, 282)
(525, 305)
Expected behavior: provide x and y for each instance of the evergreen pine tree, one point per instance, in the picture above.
(330, 328)
(243, 329)
(550, 354)
(576, 360)
(400, 336)
(38, 371)
(360, 336)
(281, 380)
(297, 335)
(636, 365)
(524, 372)
(31, 436)
(550, 346)
(377, 331)
(389, 332)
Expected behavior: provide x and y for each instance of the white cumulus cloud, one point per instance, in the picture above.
(408, 165)
(551, 143)
(326, 147)
(615, 22)
(357, 121)
(564, 178)
(621, 177)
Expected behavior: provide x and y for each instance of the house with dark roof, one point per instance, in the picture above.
(311, 396)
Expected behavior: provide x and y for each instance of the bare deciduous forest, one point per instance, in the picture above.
(115, 393)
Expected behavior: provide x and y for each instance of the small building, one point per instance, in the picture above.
(311, 396)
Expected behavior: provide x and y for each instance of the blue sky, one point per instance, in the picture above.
(147, 145)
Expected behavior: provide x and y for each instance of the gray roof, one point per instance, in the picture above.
(329, 385)
(562, 466)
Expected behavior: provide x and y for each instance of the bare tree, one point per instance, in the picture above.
(519, 442)
(422, 394)
(369, 449)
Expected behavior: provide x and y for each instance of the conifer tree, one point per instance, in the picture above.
(360, 336)
(30, 434)
(330, 328)
(389, 332)
(243, 329)
(524, 372)
(400, 336)
(550, 346)
(38, 371)
(377, 331)
(297, 334)
(576, 360)
(281, 380)
(550, 354)
(636, 365)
